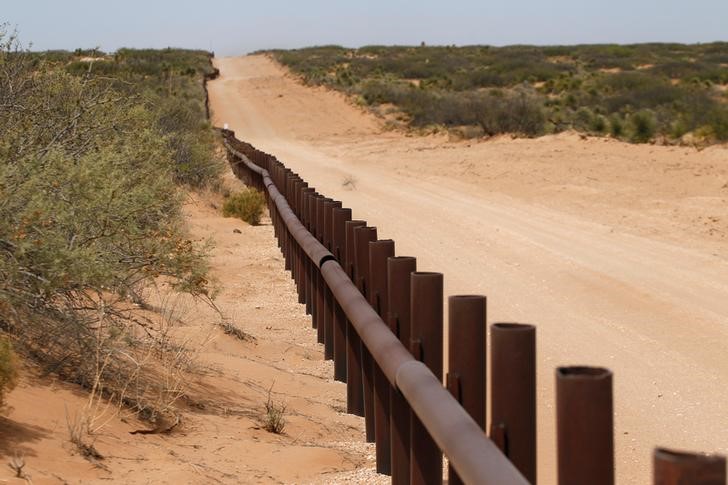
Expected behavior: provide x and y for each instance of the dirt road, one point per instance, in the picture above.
(618, 253)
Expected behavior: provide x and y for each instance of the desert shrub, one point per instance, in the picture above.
(718, 121)
(642, 126)
(673, 81)
(247, 205)
(583, 119)
(90, 215)
(8, 369)
(513, 113)
(616, 126)
(598, 124)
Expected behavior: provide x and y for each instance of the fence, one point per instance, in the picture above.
(381, 322)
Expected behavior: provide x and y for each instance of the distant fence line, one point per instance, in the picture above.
(381, 322)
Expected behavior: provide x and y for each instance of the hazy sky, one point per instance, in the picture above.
(231, 27)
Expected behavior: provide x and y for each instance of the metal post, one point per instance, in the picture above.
(379, 252)
(682, 468)
(584, 426)
(426, 346)
(399, 270)
(320, 283)
(362, 237)
(467, 358)
(329, 206)
(354, 386)
(339, 251)
(513, 394)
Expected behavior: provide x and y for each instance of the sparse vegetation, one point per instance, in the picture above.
(274, 420)
(529, 90)
(16, 464)
(91, 157)
(247, 205)
(233, 330)
(8, 369)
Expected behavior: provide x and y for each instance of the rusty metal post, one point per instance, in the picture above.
(320, 284)
(426, 346)
(329, 206)
(287, 177)
(354, 386)
(399, 269)
(300, 257)
(362, 237)
(467, 358)
(308, 276)
(339, 251)
(584, 426)
(513, 394)
(315, 304)
(379, 252)
(672, 467)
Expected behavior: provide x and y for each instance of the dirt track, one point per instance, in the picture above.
(618, 253)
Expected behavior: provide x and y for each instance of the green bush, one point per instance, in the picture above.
(642, 126)
(90, 217)
(247, 205)
(8, 369)
(616, 126)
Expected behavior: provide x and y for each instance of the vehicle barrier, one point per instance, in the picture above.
(381, 322)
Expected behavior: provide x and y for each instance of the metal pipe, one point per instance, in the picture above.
(379, 252)
(329, 206)
(513, 394)
(354, 386)
(341, 215)
(426, 346)
(584, 426)
(362, 237)
(467, 359)
(682, 468)
(399, 269)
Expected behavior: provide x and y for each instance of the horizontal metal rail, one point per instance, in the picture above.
(476, 458)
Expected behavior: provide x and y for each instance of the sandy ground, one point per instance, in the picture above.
(220, 439)
(616, 252)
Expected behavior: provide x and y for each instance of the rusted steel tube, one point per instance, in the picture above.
(672, 467)
(513, 394)
(315, 306)
(341, 215)
(320, 284)
(298, 255)
(379, 252)
(467, 358)
(354, 386)
(584, 426)
(329, 206)
(399, 269)
(362, 237)
(426, 346)
(304, 260)
(308, 283)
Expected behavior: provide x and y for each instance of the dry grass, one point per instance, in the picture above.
(274, 420)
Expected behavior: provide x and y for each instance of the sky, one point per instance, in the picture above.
(237, 27)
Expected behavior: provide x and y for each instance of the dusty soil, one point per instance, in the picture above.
(220, 439)
(617, 252)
